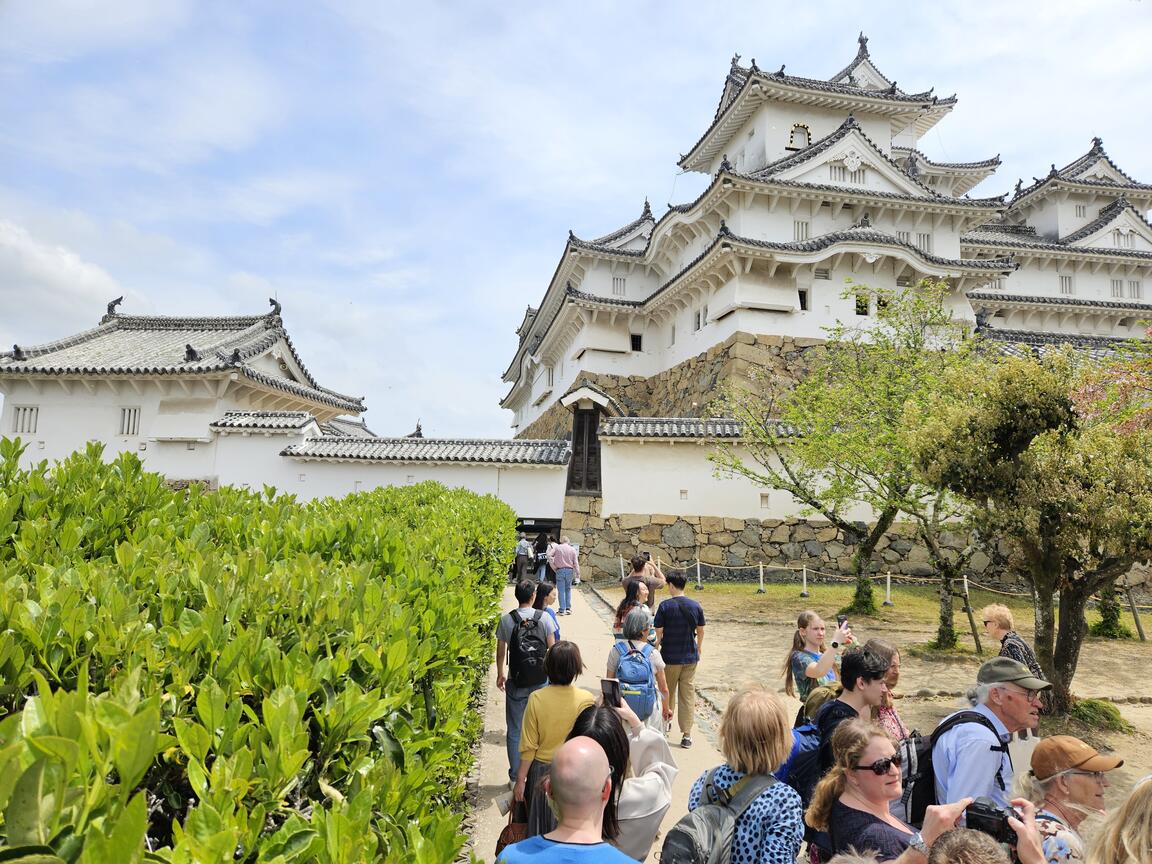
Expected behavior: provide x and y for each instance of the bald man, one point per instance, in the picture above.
(579, 785)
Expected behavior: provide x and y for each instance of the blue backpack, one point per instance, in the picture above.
(637, 678)
(805, 740)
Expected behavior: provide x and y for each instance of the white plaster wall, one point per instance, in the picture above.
(676, 478)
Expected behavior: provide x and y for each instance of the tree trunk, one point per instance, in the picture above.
(945, 629)
(863, 599)
(1073, 628)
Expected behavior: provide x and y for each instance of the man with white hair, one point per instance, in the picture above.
(970, 748)
(579, 785)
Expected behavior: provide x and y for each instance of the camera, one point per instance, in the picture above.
(841, 620)
(647, 556)
(987, 816)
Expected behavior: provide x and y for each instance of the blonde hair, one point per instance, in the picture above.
(755, 732)
(1125, 835)
(854, 857)
(966, 846)
(999, 615)
(850, 739)
(802, 621)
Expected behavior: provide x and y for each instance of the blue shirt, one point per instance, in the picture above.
(541, 850)
(965, 763)
(770, 830)
(679, 617)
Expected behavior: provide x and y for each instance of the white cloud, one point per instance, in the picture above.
(57, 30)
(47, 291)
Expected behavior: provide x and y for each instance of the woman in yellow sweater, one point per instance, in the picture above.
(548, 719)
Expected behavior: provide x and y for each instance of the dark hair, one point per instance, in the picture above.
(525, 590)
(603, 725)
(631, 597)
(638, 562)
(541, 542)
(677, 579)
(543, 589)
(861, 663)
(562, 663)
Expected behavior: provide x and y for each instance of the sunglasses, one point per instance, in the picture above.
(881, 766)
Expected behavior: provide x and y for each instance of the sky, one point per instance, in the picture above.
(402, 177)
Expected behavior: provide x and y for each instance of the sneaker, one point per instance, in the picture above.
(685, 742)
(575, 581)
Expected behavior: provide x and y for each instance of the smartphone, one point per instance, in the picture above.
(841, 620)
(610, 687)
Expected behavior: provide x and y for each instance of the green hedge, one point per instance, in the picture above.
(231, 676)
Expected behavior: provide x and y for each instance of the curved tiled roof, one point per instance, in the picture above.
(596, 298)
(981, 165)
(345, 427)
(1068, 174)
(645, 216)
(456, 450)
(1027, 342)
(264, 420)
(1109, 214)
(1120, 305)
(606, 398)
(1024, 237)
(861, 55)
(165, 345)
(670, 427)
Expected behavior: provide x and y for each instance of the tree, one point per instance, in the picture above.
(1068, 490)
(835, 441)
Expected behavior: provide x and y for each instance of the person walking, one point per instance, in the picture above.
(998, 624)
(545, 598)
(680, 639)
(540, 549)
(566, 564)
(523, 558)
(644, 569)
(641, 661)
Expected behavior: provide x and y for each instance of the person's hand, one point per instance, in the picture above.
(667, 711)
(843, 635)
(1029, 848)
(628, 717)
(939, 818)
(500, 681)
(518, 789)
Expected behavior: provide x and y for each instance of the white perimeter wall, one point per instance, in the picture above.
(649, 477)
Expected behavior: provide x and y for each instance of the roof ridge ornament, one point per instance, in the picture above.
(780, 71)
(754, 69)
(191, 355)
(276, 307)
(18, 353)
(862, 51)
(724, 231)
(112, 306)
(735, 61)
(725, 165)
(646, 213)
(1098, 143)
(235, 358)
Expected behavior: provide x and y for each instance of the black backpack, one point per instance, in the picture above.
(705, 835)
(527, 648)
(919, 776)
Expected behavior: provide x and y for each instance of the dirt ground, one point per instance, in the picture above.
(746, 643)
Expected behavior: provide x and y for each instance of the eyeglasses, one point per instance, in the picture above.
(881, 766)
(1098, 775)
(1033, 696)
(987, 622)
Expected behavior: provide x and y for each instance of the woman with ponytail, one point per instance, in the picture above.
(851, 801)
(809, 664)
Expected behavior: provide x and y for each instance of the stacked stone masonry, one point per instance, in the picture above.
(687, 389)
(743, 544)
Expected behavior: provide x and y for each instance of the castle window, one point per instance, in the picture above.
(25, 419)
(800, 230)
(823, 273)
(1066, 285)
(1081, 210)
(129, 421)
(841, 174)
(672, 340)
(1117, 287)
(637, 341)
(695, 320)
(800, 137)
(584, 469)
(924, 242)
(1135, 289)
(550, 375)
(803, 300)
(904, 282)
(1124, 239)
(618, 283)
(904, 237)
(765, 501)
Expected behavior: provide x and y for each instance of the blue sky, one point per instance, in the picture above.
(403, 176)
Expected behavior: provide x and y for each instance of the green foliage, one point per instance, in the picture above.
(237, 676)
(1110, 626)
(1100, 715)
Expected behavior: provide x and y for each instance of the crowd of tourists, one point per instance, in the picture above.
(844, 781)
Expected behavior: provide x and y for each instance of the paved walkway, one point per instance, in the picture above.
(590, 627)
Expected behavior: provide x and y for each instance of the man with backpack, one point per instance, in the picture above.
(970, 748)
(680, 637)
(524, 636)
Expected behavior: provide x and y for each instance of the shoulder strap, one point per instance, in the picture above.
(537, 615)
(746, 790)
(976, 717)
(646, 650)
(710, 795)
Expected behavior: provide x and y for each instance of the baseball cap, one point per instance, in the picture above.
(1064, 752)
(1005, 670)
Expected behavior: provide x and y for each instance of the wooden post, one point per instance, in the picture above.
(699, 584)
(972, 618)
(622, 573)
(760, 590)
(1135, 615)
(804, 585)
(888, 588)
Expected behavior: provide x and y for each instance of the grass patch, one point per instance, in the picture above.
(1099, 714)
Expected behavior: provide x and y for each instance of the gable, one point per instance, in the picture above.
(866, 76)
(853, 161)
(1126, 231)
(277, 361)
(1103, 170)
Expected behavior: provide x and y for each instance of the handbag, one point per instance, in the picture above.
(517, 827)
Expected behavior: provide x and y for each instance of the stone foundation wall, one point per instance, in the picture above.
(686, 389)
(742, 543)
